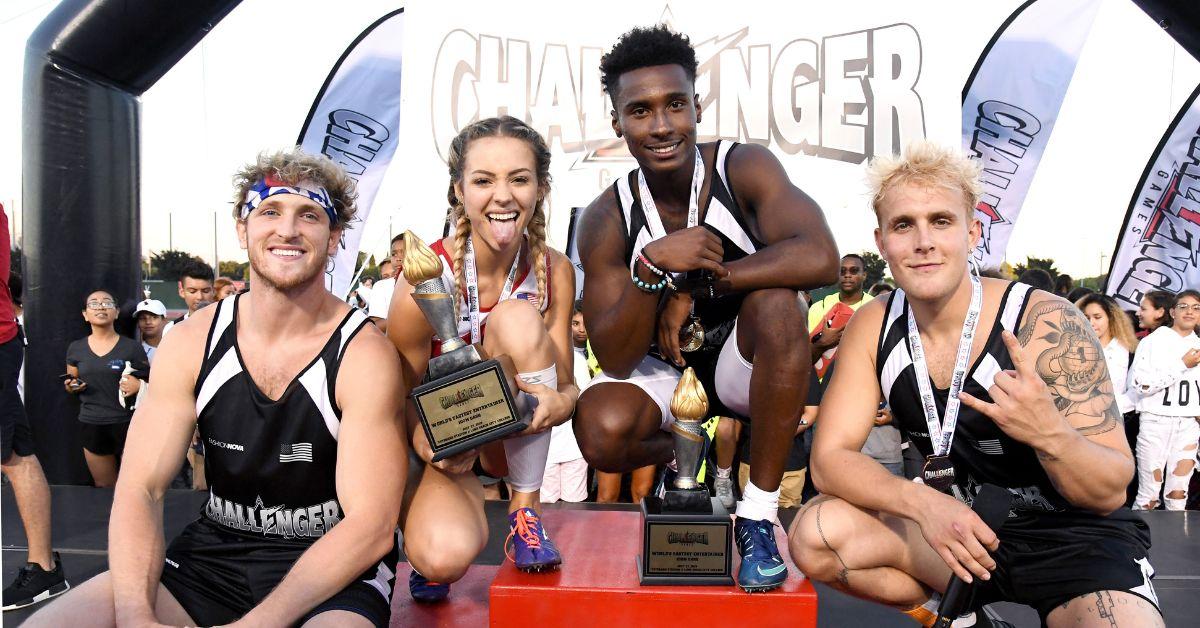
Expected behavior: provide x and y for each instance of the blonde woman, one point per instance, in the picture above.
(515, 296)
(1116, 335)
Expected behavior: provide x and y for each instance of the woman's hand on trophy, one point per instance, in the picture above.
(454, 465)
(675, 312)
(553, 407)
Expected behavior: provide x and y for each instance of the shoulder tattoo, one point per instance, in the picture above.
(1071, 363)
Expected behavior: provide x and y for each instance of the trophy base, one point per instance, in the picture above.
(686, 547)
(469, 407)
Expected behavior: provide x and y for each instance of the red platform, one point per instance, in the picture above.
(598, 585)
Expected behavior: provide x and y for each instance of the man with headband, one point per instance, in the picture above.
(994, 382)
(298, 402)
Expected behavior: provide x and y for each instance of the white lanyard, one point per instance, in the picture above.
(653, 220)
(473, 287)
(945, 432)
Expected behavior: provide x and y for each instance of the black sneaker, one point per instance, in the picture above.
(34, 584)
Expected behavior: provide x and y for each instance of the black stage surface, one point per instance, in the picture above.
(81, 530)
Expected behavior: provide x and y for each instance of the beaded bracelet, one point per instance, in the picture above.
(645, 261)
(648, 288)
(650, 265)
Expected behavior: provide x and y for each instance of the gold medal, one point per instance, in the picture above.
(691, 336)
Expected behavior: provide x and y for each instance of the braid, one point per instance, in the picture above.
(537, 250)
(462, 229)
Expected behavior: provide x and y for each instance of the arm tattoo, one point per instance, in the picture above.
(1072, 365)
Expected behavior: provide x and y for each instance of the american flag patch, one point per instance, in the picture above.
(991, 446)
(295, 452)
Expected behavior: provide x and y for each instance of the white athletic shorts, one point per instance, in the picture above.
(658, 379)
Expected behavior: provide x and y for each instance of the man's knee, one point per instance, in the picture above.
(601, 434)
(773, 319)
(812, 546)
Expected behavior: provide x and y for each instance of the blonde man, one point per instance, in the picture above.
(298, 400)
(1014, 391)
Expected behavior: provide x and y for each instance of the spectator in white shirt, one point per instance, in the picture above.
(1166, 376)
(381, 293)
(566, 470)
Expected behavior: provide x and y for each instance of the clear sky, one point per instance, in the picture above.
(241, 91)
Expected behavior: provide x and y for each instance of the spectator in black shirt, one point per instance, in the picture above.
(106, 370)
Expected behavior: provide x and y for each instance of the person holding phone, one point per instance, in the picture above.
(97, 373)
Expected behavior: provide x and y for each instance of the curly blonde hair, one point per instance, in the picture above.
(292, 167)
(925, 164)
(503, 126)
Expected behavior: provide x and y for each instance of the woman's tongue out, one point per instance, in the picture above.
(504, 227)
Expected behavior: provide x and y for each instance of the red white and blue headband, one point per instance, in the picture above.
(270, 186)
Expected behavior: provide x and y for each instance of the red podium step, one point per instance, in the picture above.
(598, 585)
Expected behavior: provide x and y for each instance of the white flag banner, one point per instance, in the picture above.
(1010, 105)
(1159, 245)
(355, 120)
(825, 90)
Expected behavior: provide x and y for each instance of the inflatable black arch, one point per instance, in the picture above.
(85, 67)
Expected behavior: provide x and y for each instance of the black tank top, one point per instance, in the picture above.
(270, 465)
(981, 452)
(721, 215)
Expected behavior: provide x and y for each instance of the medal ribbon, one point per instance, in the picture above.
(650, 209)
(473, 287)
(945, 432)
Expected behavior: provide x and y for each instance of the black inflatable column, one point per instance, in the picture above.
(85, 67)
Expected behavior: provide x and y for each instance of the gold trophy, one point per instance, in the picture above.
(466, 399)
(687, 535)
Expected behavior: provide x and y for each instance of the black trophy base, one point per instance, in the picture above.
(686, 547)
(468, 408)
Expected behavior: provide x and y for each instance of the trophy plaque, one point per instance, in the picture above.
(687, 535)
(465, 399)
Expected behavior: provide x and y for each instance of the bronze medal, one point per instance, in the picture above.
(691, 336)
(938, 473)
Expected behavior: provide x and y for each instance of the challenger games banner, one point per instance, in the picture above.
(1159, 245)
(355, 121)
(1010, 104)
(824, 87)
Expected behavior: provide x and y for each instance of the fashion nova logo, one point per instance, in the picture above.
(845, 97)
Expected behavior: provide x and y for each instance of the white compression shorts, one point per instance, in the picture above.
(658, 380)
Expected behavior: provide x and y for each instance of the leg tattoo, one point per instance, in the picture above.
(843, 575)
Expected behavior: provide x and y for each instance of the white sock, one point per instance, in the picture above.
(527, 455)
(724, 473)
(757, 504)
